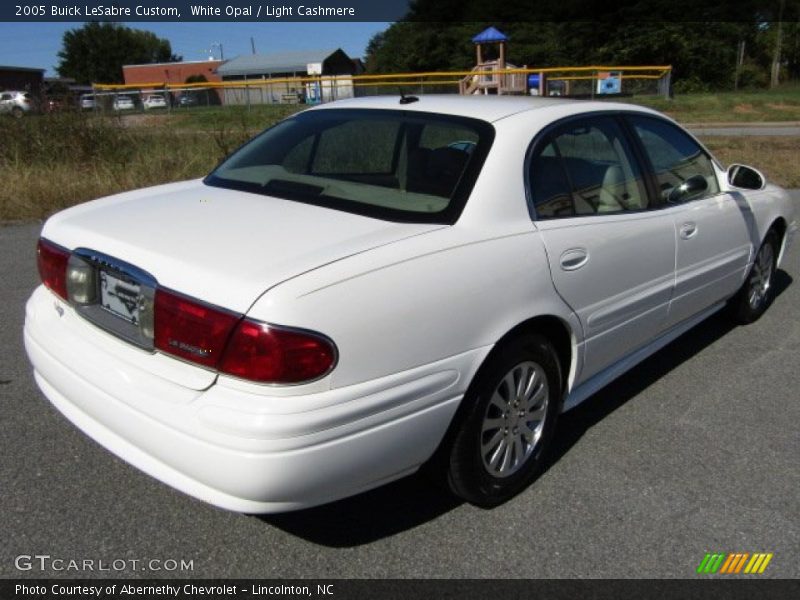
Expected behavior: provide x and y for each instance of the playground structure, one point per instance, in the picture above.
(492, 75)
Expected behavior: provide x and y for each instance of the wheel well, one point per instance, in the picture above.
(556, 331)
(779, 227)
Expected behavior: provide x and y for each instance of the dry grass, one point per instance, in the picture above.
(52, 162)
(777, 157)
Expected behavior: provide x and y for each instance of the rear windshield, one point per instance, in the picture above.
(393, 165)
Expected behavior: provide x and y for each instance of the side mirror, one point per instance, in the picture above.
(693, 186)
(745, 177)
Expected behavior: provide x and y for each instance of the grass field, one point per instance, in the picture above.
(54, 161)
(782, 104)
(777, 157)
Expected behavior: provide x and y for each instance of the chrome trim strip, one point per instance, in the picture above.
(97, 315)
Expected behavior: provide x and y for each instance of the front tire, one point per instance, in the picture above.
(755, 295)
(507, 422)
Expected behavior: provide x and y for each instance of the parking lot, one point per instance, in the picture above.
(694, 451)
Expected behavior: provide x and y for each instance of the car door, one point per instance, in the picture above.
(611, 253)
(713, 230)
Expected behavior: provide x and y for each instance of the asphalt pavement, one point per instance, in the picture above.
(694, 451)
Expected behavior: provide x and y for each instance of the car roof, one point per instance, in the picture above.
(487, 108)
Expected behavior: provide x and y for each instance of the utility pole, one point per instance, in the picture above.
(739, 63)
(776, 58)
(253, 44)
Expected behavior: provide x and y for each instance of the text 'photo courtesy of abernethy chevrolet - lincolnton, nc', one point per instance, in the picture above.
(381, 284)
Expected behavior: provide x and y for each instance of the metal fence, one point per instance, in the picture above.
(588, 81)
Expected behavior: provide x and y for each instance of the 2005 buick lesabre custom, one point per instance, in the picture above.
(379, 284)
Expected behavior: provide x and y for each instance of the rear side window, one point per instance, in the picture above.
(675, 156)
(388, 164)
(586, 168)
(550, 190)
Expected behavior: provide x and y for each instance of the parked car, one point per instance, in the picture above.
(16, 103)
(56, 104)
(188, 99)
(377, 284)
(154, 101)
(87, 102)
(123, 103)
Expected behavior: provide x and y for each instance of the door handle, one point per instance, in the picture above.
(574, 259)
(688, 230)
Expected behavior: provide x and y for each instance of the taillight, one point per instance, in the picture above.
(231, 344)
(269, 354)
(52, 262)
(190, 329)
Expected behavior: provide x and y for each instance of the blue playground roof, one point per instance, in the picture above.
(490, 35)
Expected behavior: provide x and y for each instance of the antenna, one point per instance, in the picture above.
(406, 99)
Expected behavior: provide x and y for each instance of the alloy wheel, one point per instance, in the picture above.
(514, 419)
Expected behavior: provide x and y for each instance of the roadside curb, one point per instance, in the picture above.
(709, 124)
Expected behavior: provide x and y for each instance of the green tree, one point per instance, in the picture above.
(435, 35)
(96, 52)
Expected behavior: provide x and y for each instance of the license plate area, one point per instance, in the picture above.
(122, 297)
(119, 296)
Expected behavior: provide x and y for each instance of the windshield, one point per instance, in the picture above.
(393, 165)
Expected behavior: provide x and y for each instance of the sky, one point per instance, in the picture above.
(37, 44)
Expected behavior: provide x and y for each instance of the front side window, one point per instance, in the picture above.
(395, 165)
(584, 168)
(676, 159)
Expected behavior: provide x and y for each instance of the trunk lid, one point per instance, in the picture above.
(222, 246)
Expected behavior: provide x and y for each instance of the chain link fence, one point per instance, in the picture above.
(576, 82)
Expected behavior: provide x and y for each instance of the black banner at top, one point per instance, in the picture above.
(394, 10)
(203, 10)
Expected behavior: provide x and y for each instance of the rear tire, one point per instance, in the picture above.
(507, 421)
(755, 295)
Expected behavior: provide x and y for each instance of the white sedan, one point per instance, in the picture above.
(123, 103)
(378, 284)
(154, 101)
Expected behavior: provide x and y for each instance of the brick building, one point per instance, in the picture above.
(23, 79)
(173, 72)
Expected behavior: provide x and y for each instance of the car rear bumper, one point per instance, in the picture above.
(216, 445)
